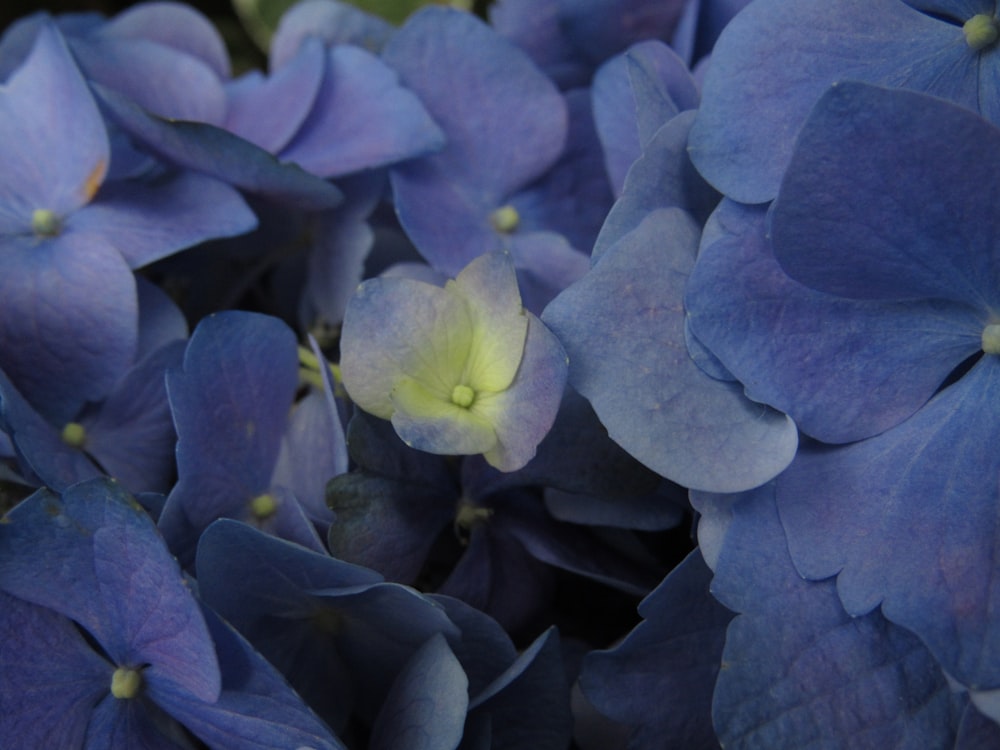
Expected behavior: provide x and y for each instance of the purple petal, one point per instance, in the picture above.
(186, 88)
(173, 25)
(362, 118)
(269, 111)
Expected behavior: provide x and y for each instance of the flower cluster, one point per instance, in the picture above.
(585, 375)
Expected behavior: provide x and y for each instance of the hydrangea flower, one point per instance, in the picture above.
(459, 370)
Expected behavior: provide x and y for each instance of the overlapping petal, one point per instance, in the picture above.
(776, 58)
(623, 328)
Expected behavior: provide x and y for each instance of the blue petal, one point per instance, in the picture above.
(269, 111)
(602, 28)
(662, 177)
(798, 670)
(874, 207)
(70, 320)
(173, 25)
(40, 449)
(660, 679)
(775, 59)
(906, 519)
(505, 125)
(50, 678)
(832, 364)
(529, 703)
(633, 98)
(331, 21)
(147, 221)
(386, 524)
(217, 153)
(425, 709)
(105, 566)
(256, 709)
(53, 143)
(186, 88)
(131, 435)
(623, 328)
(230, 403)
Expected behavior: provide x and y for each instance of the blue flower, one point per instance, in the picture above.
(869, 312)
(120, 653)
(69, 238)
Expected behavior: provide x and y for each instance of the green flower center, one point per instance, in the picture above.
(462, 395)
(263, 506)
(991, 338)
(467, 517)
(981, 31)
(45, 223)
(125, 683)
(505, 219)
(74, 435)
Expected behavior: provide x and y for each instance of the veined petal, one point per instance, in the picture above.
(397, 326)
(499, 322)
(523, 413)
